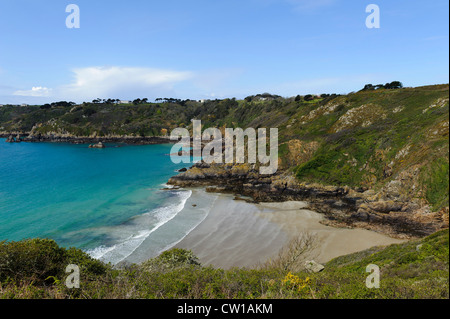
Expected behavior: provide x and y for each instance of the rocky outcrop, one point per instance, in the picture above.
(130, 140)
(299, 152)
(98, 145)
(397, 216)
(12, 139)
(363, 116)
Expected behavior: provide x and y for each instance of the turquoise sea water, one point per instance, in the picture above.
(104, 201)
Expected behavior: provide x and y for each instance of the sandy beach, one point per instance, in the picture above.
(240, 234)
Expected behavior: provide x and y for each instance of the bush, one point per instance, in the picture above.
(43, 261)
(179, 257)
(172, 259)
(35, 259)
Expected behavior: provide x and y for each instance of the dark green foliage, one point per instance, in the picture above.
(62, 104)
(319, 167)
(41, 259)
(89, 111)
(389, 86)
(435, 177)
(33, 258)
(177, 257)
(171, 260)
(394, 85)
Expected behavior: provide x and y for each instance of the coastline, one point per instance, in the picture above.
(55, 138)
(237, 233)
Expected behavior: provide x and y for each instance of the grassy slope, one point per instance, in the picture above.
(389, 132)
(35, 269)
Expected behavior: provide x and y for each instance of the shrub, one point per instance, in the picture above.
(36, 259)
(171, 260)
(294, 282)
(43, 261)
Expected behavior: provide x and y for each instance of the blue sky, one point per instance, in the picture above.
(214, 49)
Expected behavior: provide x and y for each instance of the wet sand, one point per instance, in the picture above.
(241, 234)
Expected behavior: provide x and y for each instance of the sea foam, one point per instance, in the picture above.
(130, 236)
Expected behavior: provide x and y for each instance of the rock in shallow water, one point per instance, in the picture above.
(98, 145)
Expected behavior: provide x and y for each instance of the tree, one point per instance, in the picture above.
(63, 104)
(298, 98)
(249, 98)
(308, 97)
(369, 87)
(396, 85)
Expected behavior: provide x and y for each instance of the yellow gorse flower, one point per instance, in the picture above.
(294, 282)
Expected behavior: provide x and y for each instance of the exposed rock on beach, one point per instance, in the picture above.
(397, 216)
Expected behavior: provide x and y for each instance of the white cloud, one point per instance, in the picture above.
(132, 82)
(121, 82)
(36, 91)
